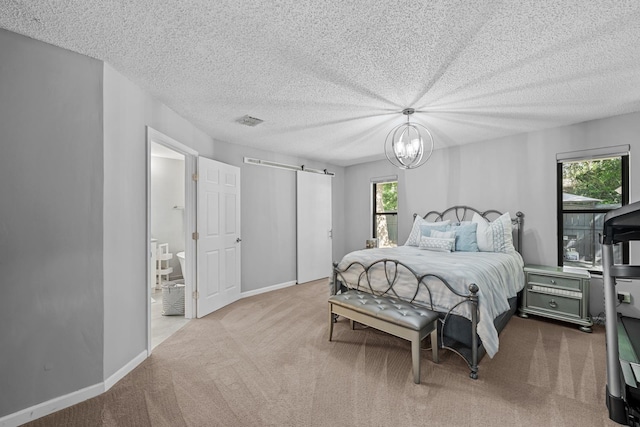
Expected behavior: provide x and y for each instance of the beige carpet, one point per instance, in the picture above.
(266, 361)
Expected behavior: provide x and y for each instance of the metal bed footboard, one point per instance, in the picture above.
(391, 270)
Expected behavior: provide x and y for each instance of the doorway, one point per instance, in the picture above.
(170, 222)
(210, 266)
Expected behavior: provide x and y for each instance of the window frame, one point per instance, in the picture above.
(561, 211)
(375, 213)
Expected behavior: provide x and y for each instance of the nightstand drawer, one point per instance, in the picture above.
(553, 303)
(565, 282)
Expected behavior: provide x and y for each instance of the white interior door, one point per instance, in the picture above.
(313, 226)
(218, 225)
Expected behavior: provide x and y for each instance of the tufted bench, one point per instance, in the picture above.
(391, 315)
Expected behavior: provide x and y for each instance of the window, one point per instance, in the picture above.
(385, 213)
(588, 188)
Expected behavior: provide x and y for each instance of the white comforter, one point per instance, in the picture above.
(499, 276)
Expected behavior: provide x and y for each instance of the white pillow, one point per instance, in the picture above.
(494, 236)
(437, 244)
(414, 236)
(442, 234)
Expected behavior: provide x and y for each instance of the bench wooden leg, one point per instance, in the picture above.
(434, 344)
(415, 358)
(330, 321)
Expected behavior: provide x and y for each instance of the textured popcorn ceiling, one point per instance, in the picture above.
(329, 78)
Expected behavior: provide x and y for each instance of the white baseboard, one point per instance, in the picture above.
(51, 406)
(122, 372)
(267, 289)
(61, 402)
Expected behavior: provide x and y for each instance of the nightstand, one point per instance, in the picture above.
(557, 293)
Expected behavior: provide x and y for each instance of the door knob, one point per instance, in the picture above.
(238, 240)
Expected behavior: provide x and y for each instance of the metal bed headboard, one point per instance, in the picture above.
(465, 213)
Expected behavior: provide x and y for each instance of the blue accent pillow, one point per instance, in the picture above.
(425, 230)
(466, 237)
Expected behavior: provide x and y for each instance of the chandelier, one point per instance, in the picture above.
(405, 144)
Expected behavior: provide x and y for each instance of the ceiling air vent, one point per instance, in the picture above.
(249, 121)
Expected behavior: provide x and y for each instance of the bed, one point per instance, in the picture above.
(463, 263)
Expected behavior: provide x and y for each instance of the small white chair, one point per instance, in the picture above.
(163, 269)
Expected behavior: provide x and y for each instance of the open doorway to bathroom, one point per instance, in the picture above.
(171, 216)
(167, 208)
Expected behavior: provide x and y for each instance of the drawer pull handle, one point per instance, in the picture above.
(553, 282)
(553, 304)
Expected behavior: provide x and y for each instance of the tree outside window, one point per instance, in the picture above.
(589, 189)
(385, 213)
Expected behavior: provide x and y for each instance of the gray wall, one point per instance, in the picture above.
(512, 174)
(50, 222)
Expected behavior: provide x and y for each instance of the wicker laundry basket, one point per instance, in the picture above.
(173, 300)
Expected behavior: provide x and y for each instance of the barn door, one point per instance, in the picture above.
(314, 243)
